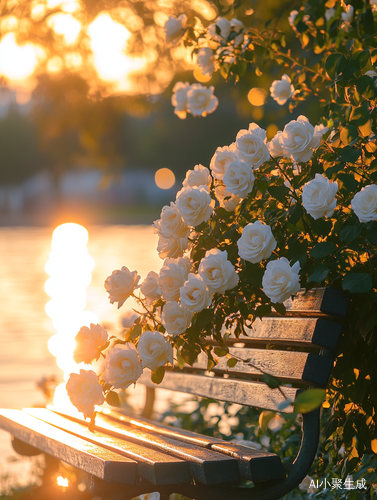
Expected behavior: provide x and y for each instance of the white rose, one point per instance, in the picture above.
(224, 26)
(121, 284)
(194, 204)
(171, 224)
(85, 391)
(230, 204)
(183, 262)
(300, 138)
(252, 145)
(150, 496)
(150, 287)
(280, 280)
(237, 26)
(226, 54)
(282, 90)
(239, 178)
(347, 16)
(154, 350)
(256, 243)
(173, 275)
(200, 100)
(174, 29)
(221, 160)
(171, 247)
(205, 61)
(329, 14)
(122, 366)
(373, 4)
(195, 296)
(318, 197)
(89, 343)
(292, 17)
(371, 73)
(217, 272)
(179, 99)
(274, 146)
(175, 318)
(200, 176)
(364, 203)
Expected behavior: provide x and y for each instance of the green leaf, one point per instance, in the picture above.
(360, 115)
(280, 308)
(221, 352)
(180, 360)
(133, 333)
(158, 376)
(319, 274)
(322, 249)
(357, 282)
(362, 58)
(349, 155)
(365, 87)
(335, 64)
(349, 181)
(264, 418)
(112, 399)
(271, 381)
(232, 362)
(348, 134)
(278, 192)
(349, 233)
(309, 400)
(372, 235)
(204, 317)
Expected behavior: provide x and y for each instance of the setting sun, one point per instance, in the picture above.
(17, 62)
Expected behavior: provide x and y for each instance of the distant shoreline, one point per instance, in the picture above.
(135, 215)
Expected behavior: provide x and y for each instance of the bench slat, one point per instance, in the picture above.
(286, 365)
(254, 464)
(300, 332)
(102, 463)
(318, 302)
(243, 392)
(154, 466)
(207, 467)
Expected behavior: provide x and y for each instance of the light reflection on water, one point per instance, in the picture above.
(24, 326)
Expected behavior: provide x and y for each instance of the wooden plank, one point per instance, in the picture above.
(318, 302)
(286, 365)
(253, 464)
(95, 460)
(242, 392)
(207, 467)
(154, 466)
(300, 332)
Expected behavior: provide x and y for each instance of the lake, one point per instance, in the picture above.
(25, 328)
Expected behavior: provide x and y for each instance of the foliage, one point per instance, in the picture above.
(308, 195)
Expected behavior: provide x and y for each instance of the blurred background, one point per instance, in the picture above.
(90, 148)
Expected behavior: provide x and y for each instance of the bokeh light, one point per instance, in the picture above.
(164, 178)
(257, 96)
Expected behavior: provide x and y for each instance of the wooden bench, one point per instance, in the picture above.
(127, 456)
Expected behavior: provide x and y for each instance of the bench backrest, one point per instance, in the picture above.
(298, 349)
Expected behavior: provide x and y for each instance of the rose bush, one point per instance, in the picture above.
(269, 217)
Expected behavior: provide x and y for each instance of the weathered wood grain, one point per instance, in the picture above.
(153, 465)
(206, 466)
(243, 392)
(318, 302)
(102, 463)
(300, 332)
(286, 365)
(254, 465)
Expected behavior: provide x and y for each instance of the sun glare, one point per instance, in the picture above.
(69, 267)
(17, 62)
(65, 25)
(108, 42)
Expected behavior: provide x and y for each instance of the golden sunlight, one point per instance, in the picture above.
(257, 96)
(108, 42)
(164, 178)
(62, 481)
(65, 25)
(17, 62)
(69, 267)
